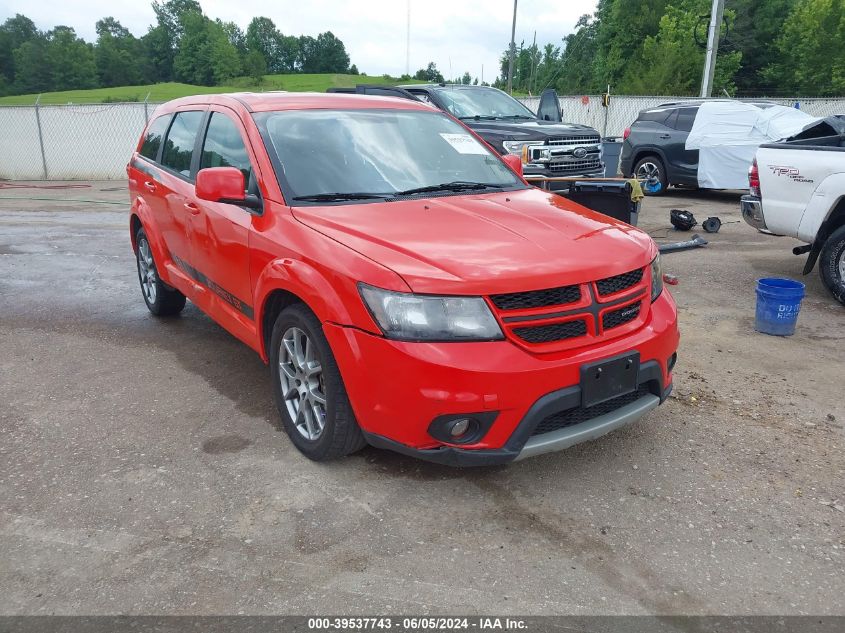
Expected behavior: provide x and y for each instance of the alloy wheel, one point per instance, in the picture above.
(301, 376)
(147, 270)
(648, 171)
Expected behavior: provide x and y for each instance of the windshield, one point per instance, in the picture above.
(333, 155)
(482, 103)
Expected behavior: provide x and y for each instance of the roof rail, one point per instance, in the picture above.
(377, 90)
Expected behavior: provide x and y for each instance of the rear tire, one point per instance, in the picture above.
(309, 390)
(832, 264)
(161, 299)
(652, 167)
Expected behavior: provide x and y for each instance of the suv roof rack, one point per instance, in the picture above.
(377, 90)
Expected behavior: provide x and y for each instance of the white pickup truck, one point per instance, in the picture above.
(798, 189)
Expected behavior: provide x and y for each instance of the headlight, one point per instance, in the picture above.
(409, 317)
(515, 147)
(656, 277)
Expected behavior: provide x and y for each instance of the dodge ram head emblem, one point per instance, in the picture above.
(579, 152)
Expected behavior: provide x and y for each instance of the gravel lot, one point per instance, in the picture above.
(142, 471)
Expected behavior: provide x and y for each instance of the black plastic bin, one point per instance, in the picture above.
(612, 198)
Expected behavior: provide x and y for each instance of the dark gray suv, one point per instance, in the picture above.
(655, 146)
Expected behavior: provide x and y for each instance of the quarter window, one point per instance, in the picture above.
(179, 146)
(224, 146)
(152, 138)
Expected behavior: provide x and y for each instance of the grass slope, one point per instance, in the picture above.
(172, 90)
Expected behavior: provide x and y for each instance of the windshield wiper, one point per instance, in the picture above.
(457, 185)
(519, 116)
(340, 195)
(479, 117)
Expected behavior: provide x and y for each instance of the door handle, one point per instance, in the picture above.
(194, 209)
(664, 136)
(151, 186)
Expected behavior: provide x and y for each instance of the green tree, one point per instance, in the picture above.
(162, 41)
(119, 56)
(756, 27)
(621, 30)
(353, 70)
(323, 54)
(14, 32)
(205, 55)
(672, 63)
(466, 79)
(255, 67)
(70, 60)
(263, 37)
(33, 70)
(429, 73)
(812, 59)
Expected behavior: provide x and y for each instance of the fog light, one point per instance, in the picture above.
(459, 427)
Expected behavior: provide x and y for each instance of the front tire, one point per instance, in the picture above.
(648, 168)
(309, 390)
(161, 299)
(832, 264)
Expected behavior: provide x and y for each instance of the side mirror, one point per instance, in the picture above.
(549, 108)
(225, 184)
(514, 162)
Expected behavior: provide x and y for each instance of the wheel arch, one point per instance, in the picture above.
(834, 220)
(286, 281)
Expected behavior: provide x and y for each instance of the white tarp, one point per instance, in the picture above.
(727, 134)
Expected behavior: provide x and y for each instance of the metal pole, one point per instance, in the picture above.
(408, 41)
(40, 137)
(716, 14)
(513, 50)
(146, 111)
(606, 111)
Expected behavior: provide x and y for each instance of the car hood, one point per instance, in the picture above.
(529, 130)
(485, 243)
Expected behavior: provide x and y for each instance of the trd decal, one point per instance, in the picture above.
(221, 292)
(793, 173)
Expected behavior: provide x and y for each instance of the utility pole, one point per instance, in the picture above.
(533, 78)
(513, 50)
(408, 41)
(713, 30)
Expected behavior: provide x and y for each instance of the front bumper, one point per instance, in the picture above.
(752, 212)
(397, 388)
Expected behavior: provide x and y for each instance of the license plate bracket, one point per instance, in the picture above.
(609, 378)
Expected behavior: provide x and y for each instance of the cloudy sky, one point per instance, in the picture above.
(469, 33)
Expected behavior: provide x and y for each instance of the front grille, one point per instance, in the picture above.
(575, 167)
(621, 316)
(537, 298)
(570, 417)
(574, 140)
(550, 333)
(618, 283)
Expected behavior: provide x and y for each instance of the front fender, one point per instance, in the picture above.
(334, 300)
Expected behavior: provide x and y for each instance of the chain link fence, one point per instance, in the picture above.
(623, 110)
(93, 142)
(69, 142)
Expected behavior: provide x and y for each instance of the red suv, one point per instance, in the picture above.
(406, 286)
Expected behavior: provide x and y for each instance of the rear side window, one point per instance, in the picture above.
(152, 138)
(224, 146)
(686, 116)
(657, 116)
(179, 146)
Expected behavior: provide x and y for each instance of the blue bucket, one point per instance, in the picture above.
(778, 304)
